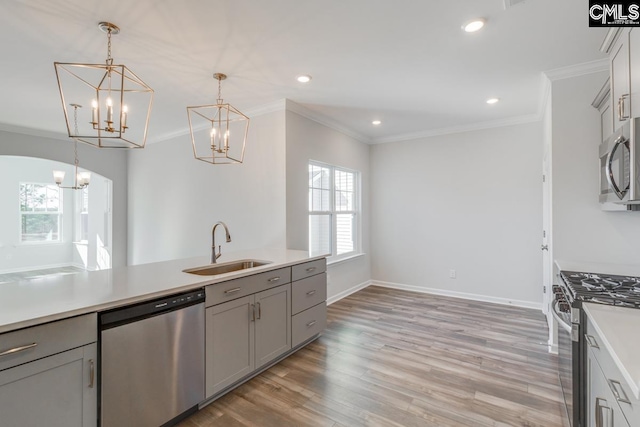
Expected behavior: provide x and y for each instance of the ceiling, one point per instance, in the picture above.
(404, 62)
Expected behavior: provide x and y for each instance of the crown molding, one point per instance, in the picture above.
(324, 120)
(578, 70)
(41, 133)
(459, 129)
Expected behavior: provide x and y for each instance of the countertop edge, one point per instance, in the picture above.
(195, 283)
(635, 386)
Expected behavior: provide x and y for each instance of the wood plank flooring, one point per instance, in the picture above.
(397, 358)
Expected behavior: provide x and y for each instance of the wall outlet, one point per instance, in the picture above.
(452, 274)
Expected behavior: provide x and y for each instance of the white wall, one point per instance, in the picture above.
(581, 230)
(468, 201)
(309, 140)
(174, 199)
(111, 164)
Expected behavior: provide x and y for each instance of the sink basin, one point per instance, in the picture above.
(227, 267)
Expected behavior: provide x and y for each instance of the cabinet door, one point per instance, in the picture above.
(603, 408)
(273, 323)
(56, 391)
(634, 70)
(620, 80)
(229, 343)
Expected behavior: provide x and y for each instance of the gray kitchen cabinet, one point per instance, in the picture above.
(244, 334)
(634, 71)
(620, 80)
(273, 324)
(603, 408)
(48, 375)
(610, 399)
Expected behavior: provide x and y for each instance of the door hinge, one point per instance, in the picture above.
(544, 289)
(544, 178)
(544, 233)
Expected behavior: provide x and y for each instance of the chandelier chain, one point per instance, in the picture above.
(219, 91)
(109, 58)
(75, 141)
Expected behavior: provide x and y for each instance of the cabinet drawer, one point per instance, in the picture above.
(308, 292)
(227, 291)
(47, 339)
(307, 269)
(619, 387)
(308, 323)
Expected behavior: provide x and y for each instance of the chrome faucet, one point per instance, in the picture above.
(214, 255)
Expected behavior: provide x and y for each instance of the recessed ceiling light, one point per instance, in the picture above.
(305, 78)
(376, 122)
(492, 100)
(473, 26)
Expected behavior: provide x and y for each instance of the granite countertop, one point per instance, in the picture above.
(35, 301)
(618, 327)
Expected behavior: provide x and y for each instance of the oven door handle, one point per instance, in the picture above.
(609, 170)
(556, 315)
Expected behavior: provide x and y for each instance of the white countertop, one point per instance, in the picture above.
(35, 301)
(594, 267)
(618, 327)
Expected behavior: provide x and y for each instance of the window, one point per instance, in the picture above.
(41, 212)
(333, 211)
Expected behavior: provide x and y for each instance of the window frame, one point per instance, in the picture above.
(59, 212)
(333, 213)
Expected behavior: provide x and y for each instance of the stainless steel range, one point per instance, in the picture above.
(574, 289)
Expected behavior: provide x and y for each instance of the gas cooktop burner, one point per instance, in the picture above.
(603, 288)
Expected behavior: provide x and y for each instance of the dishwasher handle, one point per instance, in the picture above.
(132, 313)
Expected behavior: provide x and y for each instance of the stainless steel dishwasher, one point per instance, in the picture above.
(152, 361)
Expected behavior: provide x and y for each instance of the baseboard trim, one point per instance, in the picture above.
(454, 294)
(344, 294)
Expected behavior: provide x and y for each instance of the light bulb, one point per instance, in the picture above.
(58, 177)
(86, 177)
(473, 26)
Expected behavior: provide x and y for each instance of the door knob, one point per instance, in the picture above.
(544, 247)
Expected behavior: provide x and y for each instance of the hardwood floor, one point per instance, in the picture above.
(397, 358)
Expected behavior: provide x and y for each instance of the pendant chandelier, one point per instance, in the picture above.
(81, 179)
(120, 101)
(218, 131)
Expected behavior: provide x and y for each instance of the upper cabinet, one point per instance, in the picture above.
(634, 71)
(623, 47)
(620, 80)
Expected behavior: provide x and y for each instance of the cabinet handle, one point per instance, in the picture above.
(615, 385)
(259, 310)
(620, 109)
(18, 349)
(310, 269)
(623, 116)
(232, 291)
(274, 279)
(310, 324)
(591, 341)
(92, 373)
(253, 313)
(311, 292)
(601, 410)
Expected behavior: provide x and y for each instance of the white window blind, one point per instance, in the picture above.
(333, 210)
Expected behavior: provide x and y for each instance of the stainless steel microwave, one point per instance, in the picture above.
(620, 166)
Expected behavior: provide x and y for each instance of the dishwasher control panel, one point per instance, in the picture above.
(127, 314)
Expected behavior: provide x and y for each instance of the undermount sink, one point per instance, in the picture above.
(227, 267)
